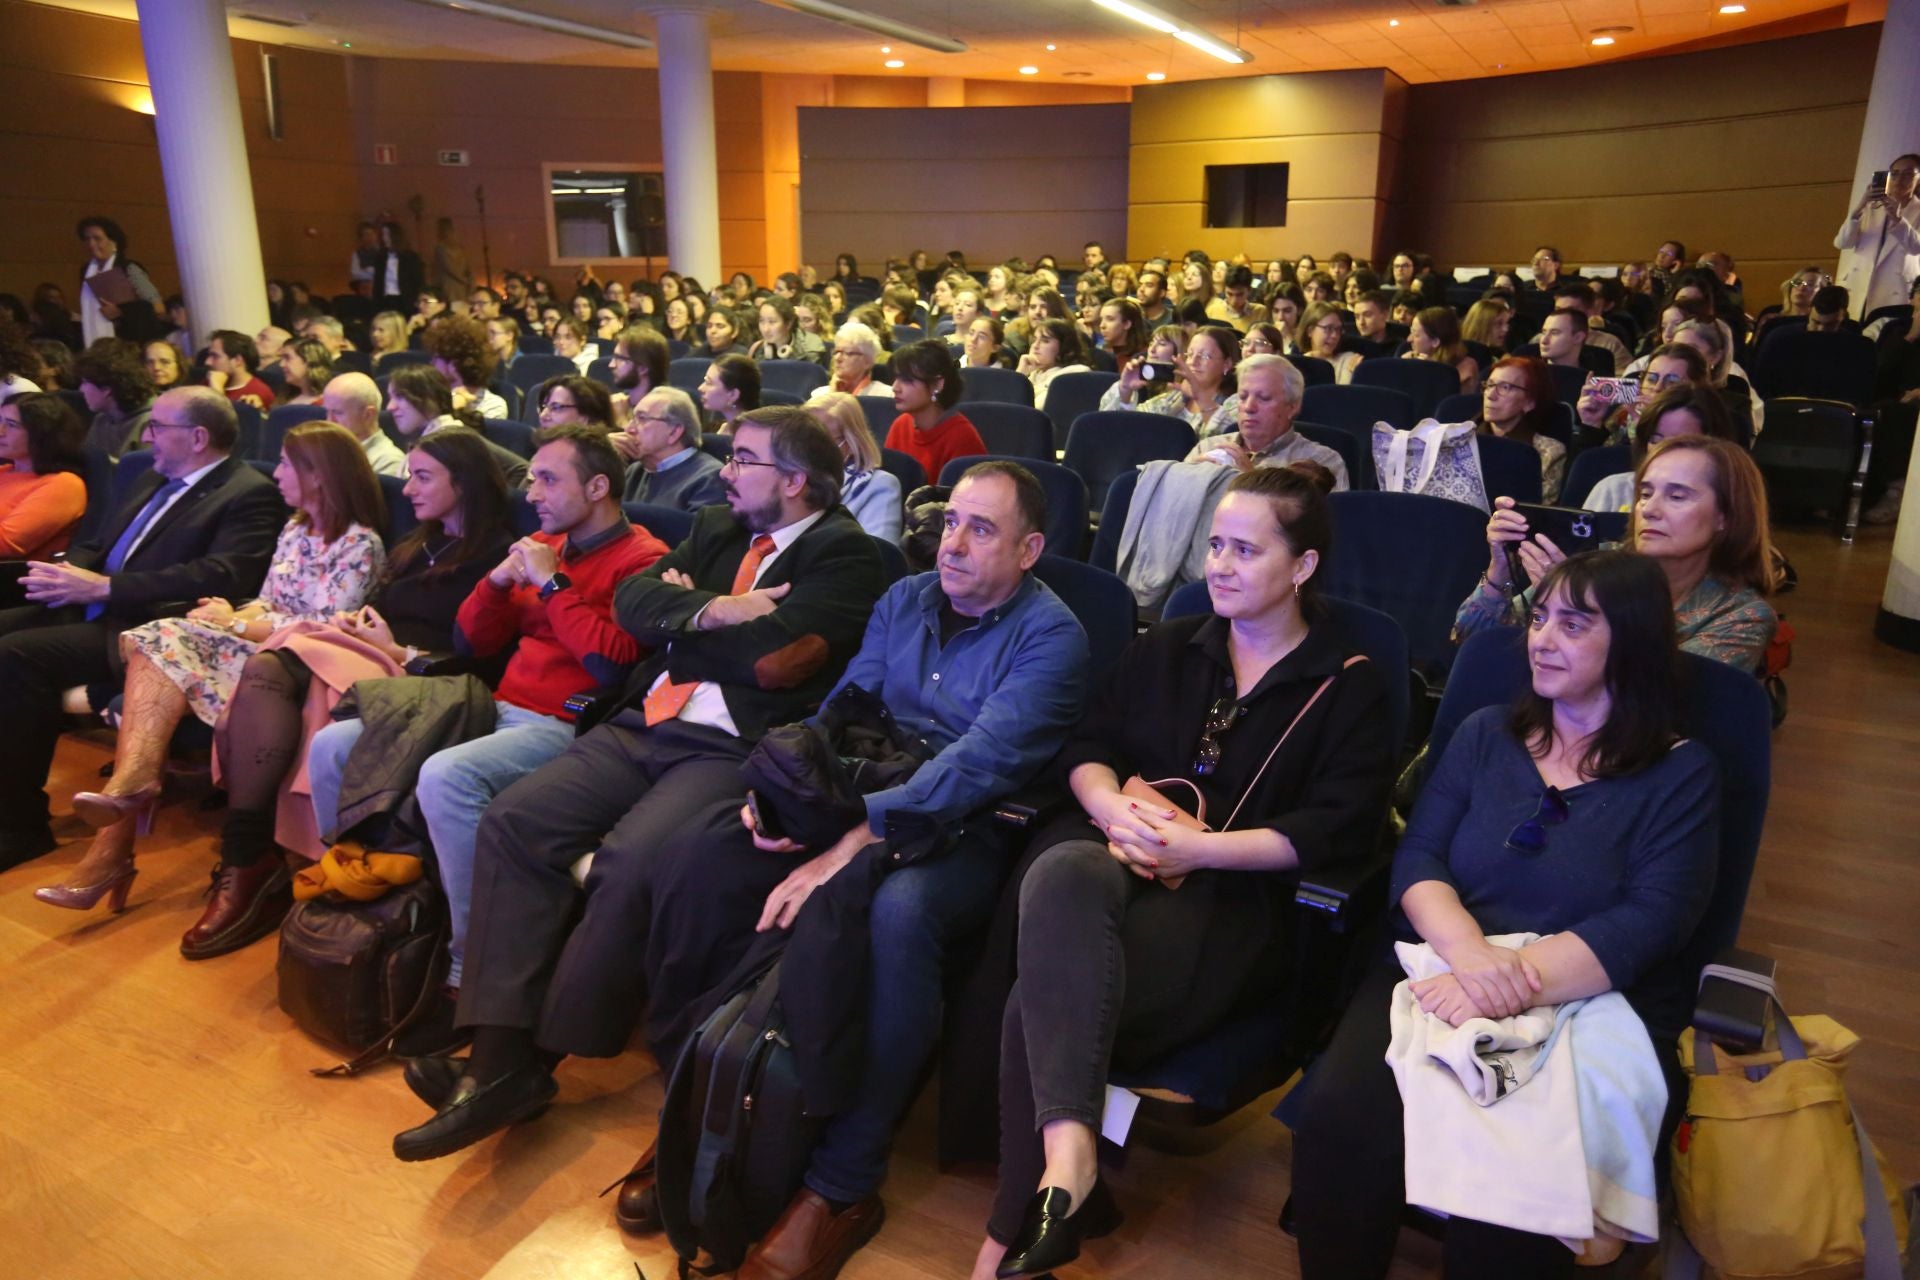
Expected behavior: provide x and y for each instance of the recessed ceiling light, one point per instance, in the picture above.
(1156, 75)
(1603, 40)
(1393, 22)
(1029, 71)
(1051, 48)
(1731, 9)
(886, 48)
(895, 63)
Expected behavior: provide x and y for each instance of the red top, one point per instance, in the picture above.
(570, 644)
(952, 437)
(252, 387)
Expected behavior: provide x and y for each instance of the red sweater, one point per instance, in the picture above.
(952, 437)
(570, 644)
(253, 386)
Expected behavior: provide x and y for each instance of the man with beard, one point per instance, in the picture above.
(639, 361)
(750, 621)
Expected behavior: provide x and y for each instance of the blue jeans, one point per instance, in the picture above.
(454, 789)
(919, 912)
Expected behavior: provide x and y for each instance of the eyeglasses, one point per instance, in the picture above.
(1256, 344)
(1531, 836)
(736, 462)
(1503, 387)
(1662, 379)
(545, 405)
(1219, 720)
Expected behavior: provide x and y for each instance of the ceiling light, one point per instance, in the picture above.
(1029, 71)
(1603, 41)
(1156, 75)
(1166, 26)
(1207, 44)
(1144, 16)
(895, 63)
(1050, 48)
(1393, 22)
(875, 23)
(886, 48)
(559, 26)
(1731, 9)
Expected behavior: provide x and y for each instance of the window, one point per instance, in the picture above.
(606, 213)
(1247, 195)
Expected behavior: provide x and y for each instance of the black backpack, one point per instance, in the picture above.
(734, 1134)
(355, 974)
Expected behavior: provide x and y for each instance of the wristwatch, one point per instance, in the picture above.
(238, 626)
(559, 581)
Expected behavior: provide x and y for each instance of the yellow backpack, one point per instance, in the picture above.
(1771, 1167)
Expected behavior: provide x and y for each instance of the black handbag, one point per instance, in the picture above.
(808, 780)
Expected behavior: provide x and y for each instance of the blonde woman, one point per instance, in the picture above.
(869, 491)
(388, 333)
(1435, 335)
(1487, 323)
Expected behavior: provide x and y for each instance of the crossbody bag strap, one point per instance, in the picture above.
(1262, 771)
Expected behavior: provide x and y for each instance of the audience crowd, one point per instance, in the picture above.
(641, 570)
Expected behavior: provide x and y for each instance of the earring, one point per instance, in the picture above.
(1296, 588)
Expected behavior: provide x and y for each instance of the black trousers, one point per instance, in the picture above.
(622, 792)
(1113, 967)
(1349, 1163)
(43, 653)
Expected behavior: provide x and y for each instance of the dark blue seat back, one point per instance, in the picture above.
(1817, 366)
(1353, 451)
(669, 524)
(127, 472)
(1567, 382)
(774, 395)
(718, 446)
(601, 371)
(798, 377)
(893, 561)
(1589, 467)
(905, 333)
(1425, 382)
(352, 362)
(1410, 556)
(1357, 408)
(400, 518)
(1510, 468)
(516, 437)
(1101, 602)
(520, 515)
(99, 480)
(536, 344)
(687, 373)
(392, 360)
(1072, 394)
(247, 443)
(905, 468)
(1314, 371)
(1113, 521)
(1012, 429)
(1102, 445)
(996, 384)
(1066, 530)
(529, 371)
(880, 415)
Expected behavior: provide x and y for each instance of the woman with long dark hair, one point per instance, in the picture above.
(43, 488)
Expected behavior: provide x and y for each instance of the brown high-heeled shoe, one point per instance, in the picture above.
(103, 808)
(85, 897)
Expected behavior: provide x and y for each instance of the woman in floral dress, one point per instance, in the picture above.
(327, 560)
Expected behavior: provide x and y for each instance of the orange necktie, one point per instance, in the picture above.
(666, 700)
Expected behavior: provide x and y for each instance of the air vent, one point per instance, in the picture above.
(1077, 75)
(1456, 4)
(269, 21)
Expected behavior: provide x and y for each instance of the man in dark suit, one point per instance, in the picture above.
(750, 620)
(200, 524)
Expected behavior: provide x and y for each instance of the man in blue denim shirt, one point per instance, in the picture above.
(989, 666)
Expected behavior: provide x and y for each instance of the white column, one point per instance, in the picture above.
(1898, 622)
(690, 156)
(203, 158)
(1893, 104)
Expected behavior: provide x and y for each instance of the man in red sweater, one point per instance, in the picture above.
(926, 386)
(554, 595)
(233, 364)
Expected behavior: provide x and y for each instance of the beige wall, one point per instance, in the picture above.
(1749, 149)
(1338, 130)
(72, 145)
(992, 182)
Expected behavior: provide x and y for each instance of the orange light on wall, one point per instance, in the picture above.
(134, 97)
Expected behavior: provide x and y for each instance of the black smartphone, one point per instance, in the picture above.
(766, 823)
(1877, 184)
(1154, 371)
(1572, 530)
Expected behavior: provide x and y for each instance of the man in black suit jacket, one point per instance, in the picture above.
(202, 523)
(751, 620)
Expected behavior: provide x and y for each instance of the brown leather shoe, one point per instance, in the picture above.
(245, 904)
(810, 1241)
(637, 1209)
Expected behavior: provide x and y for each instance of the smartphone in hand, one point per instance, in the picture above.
(1613, 390)
(766, 823)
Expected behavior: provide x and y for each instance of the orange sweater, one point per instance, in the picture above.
(37, 513)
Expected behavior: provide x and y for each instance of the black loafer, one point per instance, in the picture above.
(475, 1111)
(432, 1078)
(1051, 1234)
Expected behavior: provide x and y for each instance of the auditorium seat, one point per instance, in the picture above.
(392, 360)
(996, 384)
(687, 373)
(905, 468)
(669, 524)
(796, 377)
(1105, 443)
(1012, 429)
(1356, 409)
(1412, 557)
(1425, 382)
(1066, 531)
(1355, 452)
(529, 371)
(1314, 371)
(1072, 394)
(1510, 469)
(1590, 468)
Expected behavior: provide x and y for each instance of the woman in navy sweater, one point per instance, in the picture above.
(1580, 816)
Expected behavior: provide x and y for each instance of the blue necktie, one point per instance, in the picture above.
(123, 546)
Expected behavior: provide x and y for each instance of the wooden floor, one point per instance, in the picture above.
(157, 1118)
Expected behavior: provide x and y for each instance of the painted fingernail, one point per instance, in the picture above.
(1163, 844)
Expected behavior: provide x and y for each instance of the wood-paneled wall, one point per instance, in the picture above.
(993, 182)
(1748, 149)
(75, 143)
(1338, 130)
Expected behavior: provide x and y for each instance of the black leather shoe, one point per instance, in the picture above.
(475, 1111)
(19, 847)
(637, 1208)
(1051, 1234)
(432, 1078)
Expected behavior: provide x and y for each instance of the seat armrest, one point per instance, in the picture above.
(1346, 894)
(1032, 806)
(442, 664)
(1734, 1006)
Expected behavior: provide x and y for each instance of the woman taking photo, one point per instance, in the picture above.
(1700, 516)
(1055, 350)
(1612, 863)
(308, 366)
(781, 335)
(1517, 402)
(1203, 392)
(1667, 367)
(326, 562)
(870, 492)
(1321, 330)
(1689, 408)
(1435, 336)
(1139, 933)
(43, 488)
(730, 388)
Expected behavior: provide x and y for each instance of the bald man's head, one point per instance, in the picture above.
(353, 402)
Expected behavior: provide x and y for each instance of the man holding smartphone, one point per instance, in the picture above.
(1879, 242)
